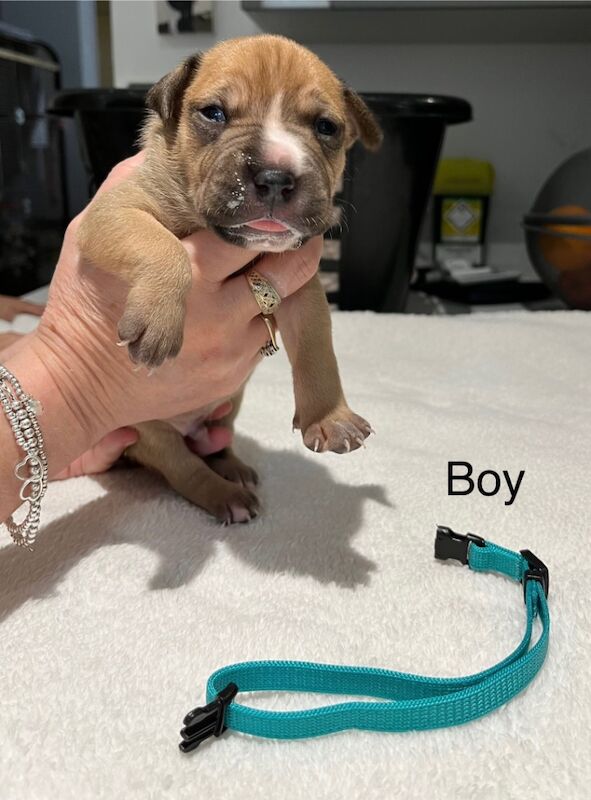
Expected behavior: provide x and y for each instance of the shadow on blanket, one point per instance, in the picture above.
(305, 529)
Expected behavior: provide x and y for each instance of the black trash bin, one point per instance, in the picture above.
(385, 196)
(33, 199)
(108, 123)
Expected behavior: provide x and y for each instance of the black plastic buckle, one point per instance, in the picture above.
(205, 721)
(449, 544)
(537, 571)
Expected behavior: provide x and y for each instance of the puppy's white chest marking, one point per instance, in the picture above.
(280, 147)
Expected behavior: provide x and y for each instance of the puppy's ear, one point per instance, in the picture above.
(364, 126)
(166, 96)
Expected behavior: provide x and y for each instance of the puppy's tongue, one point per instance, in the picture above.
(267, 225)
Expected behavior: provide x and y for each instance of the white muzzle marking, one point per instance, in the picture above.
(280, 147)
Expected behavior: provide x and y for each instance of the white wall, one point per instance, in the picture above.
(531, 102)
(141, 55)
(68, 26)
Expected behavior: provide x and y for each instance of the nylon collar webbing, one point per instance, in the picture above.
(407, 702)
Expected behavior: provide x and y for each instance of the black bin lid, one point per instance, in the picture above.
(451, 110)
(67, 103)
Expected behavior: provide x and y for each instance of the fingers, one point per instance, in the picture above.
(121, 171)
(221, 411)
(8, 339)
(11, 306)
(287, 272)
(103, 455)
(213, 259)
(24, 307)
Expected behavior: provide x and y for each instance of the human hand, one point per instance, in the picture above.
(101, 457)
(75, 343)
(8, 339)
(208, 439)
(11, 306)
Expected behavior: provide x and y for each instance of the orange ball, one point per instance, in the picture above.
(564, 253)
(575, 287)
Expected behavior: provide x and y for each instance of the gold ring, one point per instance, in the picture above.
(268, 299)
(271, 347)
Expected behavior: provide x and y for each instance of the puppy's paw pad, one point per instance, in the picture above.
(239, 505)
(339, 432)
(239, 513)
(151, 336)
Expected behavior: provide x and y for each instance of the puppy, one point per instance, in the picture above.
(248, 140)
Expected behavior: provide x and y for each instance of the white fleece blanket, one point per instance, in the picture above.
(132, 598)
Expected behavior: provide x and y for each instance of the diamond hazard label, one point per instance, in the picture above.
(461, 219)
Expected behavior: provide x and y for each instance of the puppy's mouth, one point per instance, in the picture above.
(266, 224)
(264, 233)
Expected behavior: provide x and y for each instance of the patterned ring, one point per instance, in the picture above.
(271, 347)
(268, 299)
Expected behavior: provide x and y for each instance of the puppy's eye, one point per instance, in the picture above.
(213, 113)
(325, 127)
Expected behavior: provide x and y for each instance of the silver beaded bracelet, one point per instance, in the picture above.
(21, 411)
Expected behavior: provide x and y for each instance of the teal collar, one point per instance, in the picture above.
(406, 701)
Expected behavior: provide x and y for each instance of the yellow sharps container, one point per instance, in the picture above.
(462, 192)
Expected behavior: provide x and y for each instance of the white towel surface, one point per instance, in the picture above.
(132, 597)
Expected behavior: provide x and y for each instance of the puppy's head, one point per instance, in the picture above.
(258, 128)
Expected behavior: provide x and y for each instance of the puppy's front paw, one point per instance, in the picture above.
(152, 331)
(340, 431)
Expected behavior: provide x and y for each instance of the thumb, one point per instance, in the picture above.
(112, 447)
(103, 455)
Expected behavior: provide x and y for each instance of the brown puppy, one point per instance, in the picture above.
(250, 141)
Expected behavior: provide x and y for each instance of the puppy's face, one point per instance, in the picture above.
(259, 128)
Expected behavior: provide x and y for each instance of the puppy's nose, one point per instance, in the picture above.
(274, 185)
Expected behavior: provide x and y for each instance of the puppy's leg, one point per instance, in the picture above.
(161, 448)
(322, 413)
(225, 462)
(120, 234)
